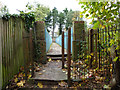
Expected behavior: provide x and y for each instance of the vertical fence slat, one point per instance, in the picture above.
(69, 56)
(31, 52)
(62, 49)
(96, 57)
(1, 54)
(91, 46)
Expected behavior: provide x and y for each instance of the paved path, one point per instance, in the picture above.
(51, 71)
(56, 49)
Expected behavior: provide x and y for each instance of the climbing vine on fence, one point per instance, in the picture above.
(29, 19)
(103, 15)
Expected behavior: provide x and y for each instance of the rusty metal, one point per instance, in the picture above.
(62, 49)
(69, 56)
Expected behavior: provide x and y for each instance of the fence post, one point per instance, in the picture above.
(96, 46)
(62, 49)
(40, 41)
(91, 46)
(69, 56)
(78, 31)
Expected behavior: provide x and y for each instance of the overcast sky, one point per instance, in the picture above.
(60, 4)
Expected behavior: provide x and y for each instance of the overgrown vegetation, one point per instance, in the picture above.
(106, 16)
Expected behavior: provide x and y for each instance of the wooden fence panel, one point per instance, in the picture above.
(12, 45)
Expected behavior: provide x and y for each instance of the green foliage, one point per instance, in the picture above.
(48, 22)
(29, 19)
(115, 59)
(39, 11)
(61, 22)
(54, 19)
(4, 10)
(106, 13)
(68, 18)
(6, 16)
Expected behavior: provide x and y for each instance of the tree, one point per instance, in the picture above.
(104, 14)
(54, 19)
(4, 10)
(68, 18)
(48, 22)
(39, 11)
(76, 16)
(61, 22)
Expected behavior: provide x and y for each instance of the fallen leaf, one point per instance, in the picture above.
(37, 69)
(65, 65)
(40, 85)
(6, 87)
(21, 83)
(79, 84)
(20, 75)
(63, 70)
(62, 84)
(49, 59)
(40, 73)
(66, 73)
(107, 87)
(29, 76)
(43, 70)
(58, 60)
(15, 80)
(54, 87)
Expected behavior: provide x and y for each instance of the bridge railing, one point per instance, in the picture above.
(48, 39)
(59, 39)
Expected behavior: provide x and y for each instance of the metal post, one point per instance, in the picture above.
(69, 56)
(62, 49)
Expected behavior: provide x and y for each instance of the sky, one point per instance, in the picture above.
(13, 5)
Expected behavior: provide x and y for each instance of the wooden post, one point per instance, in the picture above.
(96, 45)
(69, 56)
(62, 49)
(91, 46)
(99, 50)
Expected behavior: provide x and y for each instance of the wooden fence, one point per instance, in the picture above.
(14, 48)
(95, 54)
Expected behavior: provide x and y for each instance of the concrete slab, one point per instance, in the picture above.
(51, 71)
(56, 49)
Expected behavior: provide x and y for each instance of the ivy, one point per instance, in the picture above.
(29, 19)
(6, 17)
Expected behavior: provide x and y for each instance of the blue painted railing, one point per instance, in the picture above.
(48, 40)
(59, 39)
